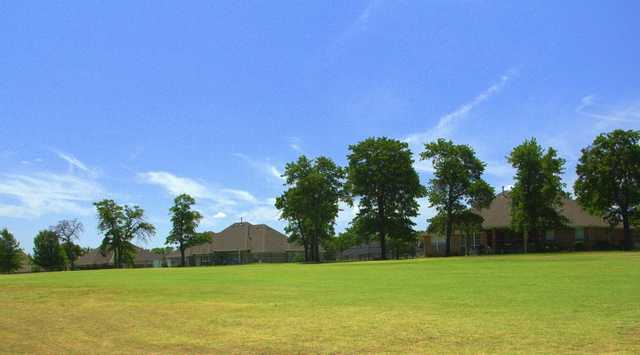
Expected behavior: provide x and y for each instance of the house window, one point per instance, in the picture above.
(549, 235)
(579, 234)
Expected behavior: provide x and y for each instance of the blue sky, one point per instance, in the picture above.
(139, 101)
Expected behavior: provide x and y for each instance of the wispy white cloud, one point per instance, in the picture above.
(216, 204)
(295, 143)
(260, 214)
(175, 185)
(31, 196)
(499, 169)
(75, 163)
(264, 167)
(359, 24)
(590, 107)
(447, 123)
(241, 195)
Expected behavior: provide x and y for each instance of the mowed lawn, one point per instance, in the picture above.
(553, 303)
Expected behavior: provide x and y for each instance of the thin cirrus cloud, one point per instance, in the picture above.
(448, 123)
(590, 107)
(263, 167)
(75, 163)
(295, 144)
(43, 192)
(358, 25)
(32, 196)
(215, 203)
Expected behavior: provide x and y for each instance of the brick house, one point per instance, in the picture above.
(584, 231)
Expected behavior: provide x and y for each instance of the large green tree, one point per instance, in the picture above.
(457, 183)
(382, 177)
(69, 231)
(47, 251)
(185, 220)
(310, 203)
(538, 192)
(11, 256)
(608, 182)
(120, 226)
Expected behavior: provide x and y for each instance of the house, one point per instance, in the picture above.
(584, 231)
(95, 260)
(241, 243)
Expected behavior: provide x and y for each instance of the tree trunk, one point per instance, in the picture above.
(525, 240)
(628, 240)
(449, 232)
(182, 259)
(316, 249)
(314, 242)
(466, 245)
(381, 229)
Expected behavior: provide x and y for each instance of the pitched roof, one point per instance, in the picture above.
(498, 214)
(94, 257)
(257, 238)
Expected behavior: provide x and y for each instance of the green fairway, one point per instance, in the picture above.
(581, 302)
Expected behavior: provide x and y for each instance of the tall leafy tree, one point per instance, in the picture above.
(11, 256)
(47, 251)
(382, 177)
(310, 203)
(69, 231)
(120, 226)
(185, 221)
(538, 191)
(608, 182)
(457, 183)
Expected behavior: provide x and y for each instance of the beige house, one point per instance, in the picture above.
(240, 243)
(584, 231)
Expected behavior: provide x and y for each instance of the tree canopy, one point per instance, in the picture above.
(47, 251)
(310, 203)
(382, 177)
(608, 182)
(457, 183)
(11, 257)
(538, 192)
(69, 231)
(120, 226)
(185, 221)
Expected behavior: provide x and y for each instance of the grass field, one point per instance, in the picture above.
(581, 302)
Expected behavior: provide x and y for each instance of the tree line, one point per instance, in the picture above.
(381, 182)
(55, 248)
(380, 179)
